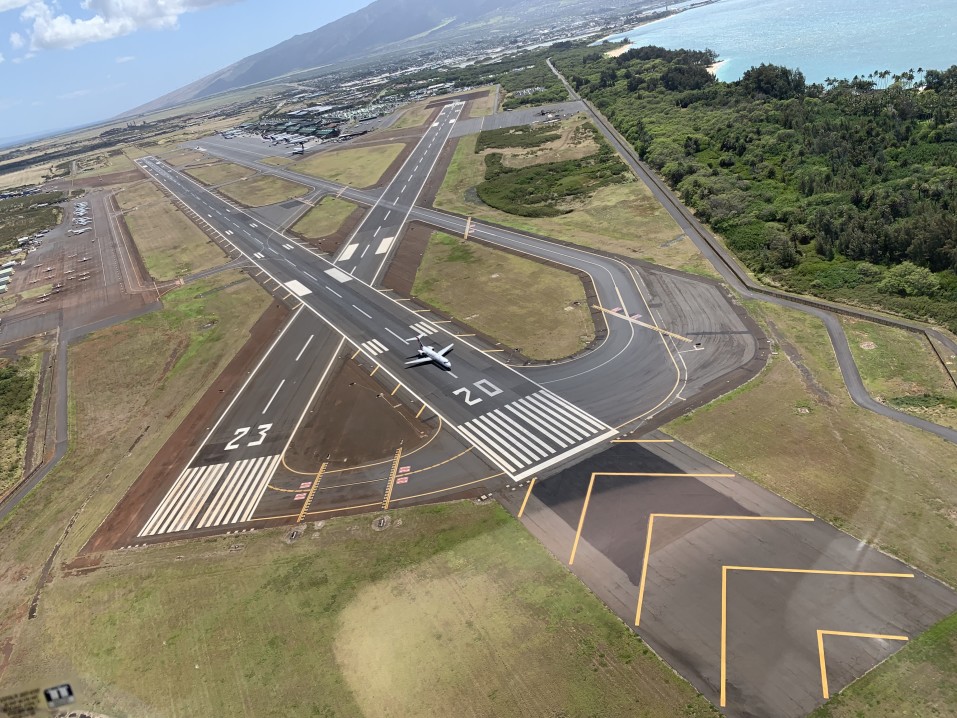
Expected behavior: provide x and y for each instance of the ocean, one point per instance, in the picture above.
(823, 38)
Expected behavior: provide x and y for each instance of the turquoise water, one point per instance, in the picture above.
(824, 38)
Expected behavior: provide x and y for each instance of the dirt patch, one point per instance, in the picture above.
(354, 421)
(120, 526)
(114, 178)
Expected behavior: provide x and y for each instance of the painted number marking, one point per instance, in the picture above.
(242, 431)
(483, 385)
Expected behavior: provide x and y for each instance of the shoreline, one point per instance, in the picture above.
(716, 67)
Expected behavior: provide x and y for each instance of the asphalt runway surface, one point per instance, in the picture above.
(728, 582)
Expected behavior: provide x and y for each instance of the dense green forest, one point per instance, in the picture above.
(846, 189)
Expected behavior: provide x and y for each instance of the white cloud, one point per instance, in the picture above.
(110, 18)
(76, 94)
(12, 4)
(16, 40)
(125, 58)
(1, 57)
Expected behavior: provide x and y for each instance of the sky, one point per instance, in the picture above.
(65, 63)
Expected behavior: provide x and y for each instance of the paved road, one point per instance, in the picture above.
(726, 265)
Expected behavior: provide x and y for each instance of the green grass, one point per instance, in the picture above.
(219, 173)
(622, 218)
(37, 291)
(324, 219)
(355, 166)
(802, 437)
(263, 190)
(414, 116)
(103, 163)
(487, 289)
(170, 244)
(918, 680)
(21, 217)
(18, 384)
(901, 369)
(457, 606)
(524, 136)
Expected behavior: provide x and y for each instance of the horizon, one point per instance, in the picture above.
(91, 62)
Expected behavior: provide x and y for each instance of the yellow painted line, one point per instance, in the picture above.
(468, 228)
(397, 386)
(342, 508)
(465, 335)
(287, 296)
(392, 472)
(441, 463)
(403, 299)
(621, 301)
(284, 491)
(641, 441)
(312, 491)
(358, 351)
(651, 528)
(581, 520)
(493, 350)
(641, 323)
(531, 485)
(339, 193)
(450, 488)
(374, 370)
(820, 650)
(442, 321)
(640, 473)
(724, 603)
(420, 311)
(419, 412)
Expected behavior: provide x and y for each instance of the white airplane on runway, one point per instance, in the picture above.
(428, 354)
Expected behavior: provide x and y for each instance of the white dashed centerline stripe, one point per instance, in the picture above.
(367, 315)
(302, 351)
(269, 403)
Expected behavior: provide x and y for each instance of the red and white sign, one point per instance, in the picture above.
(404, 469)
(402, 480)
(305, 485)
(299, 497)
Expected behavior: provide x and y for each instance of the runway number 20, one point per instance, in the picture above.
(482, 384)
(241, 432)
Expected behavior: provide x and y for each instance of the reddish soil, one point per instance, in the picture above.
(120, 526)
(354, 421)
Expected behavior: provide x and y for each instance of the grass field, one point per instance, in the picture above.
(262, 190)
(22, 216)
(900, 369)
(103, 163)
(37, 290)
(917, 681)
(181, 157)
(131, 386)
(413, 116)
(623, 218)
(457, 606)
(488, 289)
(170, 244)
(18, 383)
(220, 173)
(483, 106)
(796, 431)
(356, 166)
(278, 161)
(324, 219)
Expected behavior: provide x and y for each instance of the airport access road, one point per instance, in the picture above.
(519, 426)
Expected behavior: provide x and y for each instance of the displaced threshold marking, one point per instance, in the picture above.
(384, 245)
(298, 288)
(338, 275)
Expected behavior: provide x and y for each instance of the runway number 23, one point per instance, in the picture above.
(241, 432)
(483, 385)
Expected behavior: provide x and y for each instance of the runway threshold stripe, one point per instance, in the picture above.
(175, 502)
(540, 423)
(505, 443)
(236, 474)
(545, 449)
(481, 445)
(261, 489)
(577, 433)
(598, 424)
(484, 434)
(190, 510)
(514, 443)
(239, 491)
(348, 252)
(562, 413)
(164, 505)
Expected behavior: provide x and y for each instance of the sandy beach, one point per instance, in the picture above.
(713, 69)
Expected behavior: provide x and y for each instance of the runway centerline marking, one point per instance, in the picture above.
(367, 315)
(301, 351)
(269, 403)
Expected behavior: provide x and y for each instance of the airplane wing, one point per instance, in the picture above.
(417, 362)
(443, 352)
